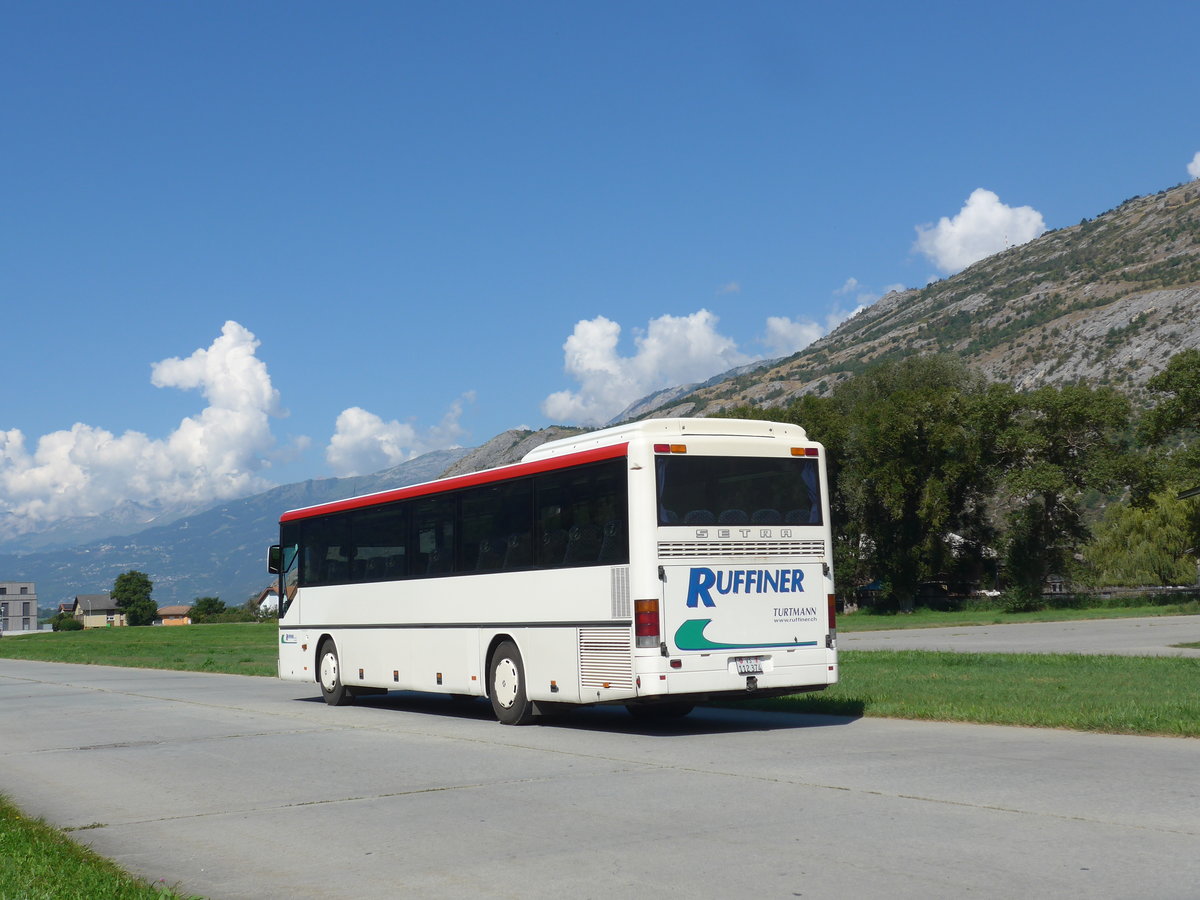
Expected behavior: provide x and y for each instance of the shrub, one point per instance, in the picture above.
(65, 622)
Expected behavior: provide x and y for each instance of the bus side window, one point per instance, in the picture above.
(481, 548)
(581, 516)
(380, 544)
(496, 524)
(550, 537)
(324, 558)
(433, 530)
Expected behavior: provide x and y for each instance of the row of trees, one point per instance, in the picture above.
(938, 474)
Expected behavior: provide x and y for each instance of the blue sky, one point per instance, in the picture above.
(251, 243)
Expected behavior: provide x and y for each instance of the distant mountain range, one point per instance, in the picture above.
(218, 552)
(221, 551)
(1108, 301)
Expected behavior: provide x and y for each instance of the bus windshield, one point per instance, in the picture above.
(738, 490)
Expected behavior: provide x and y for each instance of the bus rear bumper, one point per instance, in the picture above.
(727, 682)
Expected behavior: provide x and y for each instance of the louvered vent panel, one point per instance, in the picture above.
(605, 658)
(620, 593)
(684, 549)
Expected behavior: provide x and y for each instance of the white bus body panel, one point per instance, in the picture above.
(412, 653)
(573, 626)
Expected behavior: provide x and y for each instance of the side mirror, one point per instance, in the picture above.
(274, 559)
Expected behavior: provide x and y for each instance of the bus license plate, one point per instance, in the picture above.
(748, 665)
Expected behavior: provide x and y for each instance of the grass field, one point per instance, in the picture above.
(243, 649)
(1112, 694)
(1118, 694)
(927, 618)
(38, 862)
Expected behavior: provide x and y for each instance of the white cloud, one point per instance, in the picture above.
(731, 287)
(849, 287)
(1194, 166)
(214, 455)
(982, 227)
(672, 350)
(363, 442)
(785, 336)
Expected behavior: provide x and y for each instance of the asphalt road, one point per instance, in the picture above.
(250, 787)
(1150, 636)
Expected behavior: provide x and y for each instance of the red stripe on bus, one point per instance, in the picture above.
(473, 479)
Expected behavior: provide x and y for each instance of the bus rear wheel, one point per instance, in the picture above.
(330, 675)
(506, 686)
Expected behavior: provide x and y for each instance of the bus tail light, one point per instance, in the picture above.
(645, 622)
(832, 600)
(805, 451)
(670, 448)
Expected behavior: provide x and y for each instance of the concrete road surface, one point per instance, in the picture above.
(1150, 636)
(250, 787)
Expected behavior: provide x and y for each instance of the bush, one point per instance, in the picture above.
(225, 617)
(65, 622)
(1016, 600)
(204, 608)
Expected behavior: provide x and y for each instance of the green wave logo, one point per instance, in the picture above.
(690, 636)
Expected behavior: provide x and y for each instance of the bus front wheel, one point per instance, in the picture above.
(330, 674)
(507, 686)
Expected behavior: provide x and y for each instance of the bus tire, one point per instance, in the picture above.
(329, 674)
(651, 711)
(506, 686)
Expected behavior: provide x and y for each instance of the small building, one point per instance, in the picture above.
(174, 615)
(18, 606)
(97, 611)
(1055, 585)
(267, 602)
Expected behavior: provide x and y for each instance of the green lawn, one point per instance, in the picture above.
(38, 862)
(242, 649)
(927, 618)
(1119, 694)
(1112, 694)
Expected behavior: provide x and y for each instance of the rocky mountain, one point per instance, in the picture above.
(1108, 301)
(507, 447)
(220, 552)
(668, 396)
(19, 535)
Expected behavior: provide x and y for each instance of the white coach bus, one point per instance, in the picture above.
(656, 564)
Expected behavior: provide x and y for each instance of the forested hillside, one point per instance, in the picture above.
(944, 483)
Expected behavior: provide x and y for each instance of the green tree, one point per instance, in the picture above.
(911, 466)
(205, 607)
(1059, 444)
(1171, 427)
(1179, 406)
(1145, 545)
(131, 592)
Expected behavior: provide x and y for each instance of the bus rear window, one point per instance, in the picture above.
(738, 490)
